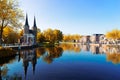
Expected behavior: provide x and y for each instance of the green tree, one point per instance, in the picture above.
(10, 15)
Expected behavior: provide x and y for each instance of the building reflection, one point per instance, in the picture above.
(50, 54)
(95, 49)
(112, 52)
(85, 47)
(29, 56)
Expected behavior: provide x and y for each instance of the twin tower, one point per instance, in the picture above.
(29, 35)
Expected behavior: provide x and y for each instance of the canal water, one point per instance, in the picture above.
(64, 62)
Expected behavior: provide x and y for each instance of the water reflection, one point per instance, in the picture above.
(4, 68)
(5, 76)
(52, 53)
(28, 58)
(71, 47)
(112, 52)
(7, 60)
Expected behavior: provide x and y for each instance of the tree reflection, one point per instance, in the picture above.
(3, 67)
(113, 54)
(4, 72)
(52, 53)
(15, 77)
(40, 51)
(71, 47)
(115, 58)
(7, 60)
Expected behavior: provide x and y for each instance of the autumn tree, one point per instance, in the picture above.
(53, 36)
(58, 35)
(48, 34)
(40, 37)
(10, 36)
(114, 34)
(21, 33)
(71, 38)
(10, 15)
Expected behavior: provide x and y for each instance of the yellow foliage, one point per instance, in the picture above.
(114, 34)
(70, 47)
(21, 33)
(10, 14)
(53, 36)
(114, 57)
(7, 31)
(53, 52)
(40, 37)
(9, 35)
(71, 37)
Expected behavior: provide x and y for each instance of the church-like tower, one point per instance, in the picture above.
(29, 36)
(35, 30)
(26, 26)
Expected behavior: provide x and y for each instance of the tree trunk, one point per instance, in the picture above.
(0, 39)
(1, 32)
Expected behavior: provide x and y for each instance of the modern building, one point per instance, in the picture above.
(29, 35)
(95, 38)
(85, 39)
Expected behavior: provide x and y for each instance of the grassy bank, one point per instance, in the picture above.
(47, 44)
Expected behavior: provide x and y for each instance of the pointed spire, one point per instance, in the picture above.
(26, 22)
(25, 68)
(34, 25)
(34, 68)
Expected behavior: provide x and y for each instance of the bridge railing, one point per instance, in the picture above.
(16, 44)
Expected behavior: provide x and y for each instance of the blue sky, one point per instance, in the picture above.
(74, 16)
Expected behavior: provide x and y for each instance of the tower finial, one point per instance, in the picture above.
(26, 22)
